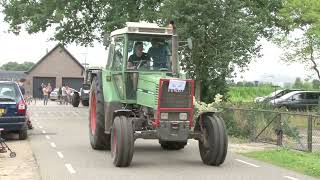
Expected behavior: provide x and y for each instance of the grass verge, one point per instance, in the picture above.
(306, 163)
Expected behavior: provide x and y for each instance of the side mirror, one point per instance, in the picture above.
(106, 40)
(190, 45)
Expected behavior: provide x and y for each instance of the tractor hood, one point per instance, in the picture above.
(147, 91)
(148, 88)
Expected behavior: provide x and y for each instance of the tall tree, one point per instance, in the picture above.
(79, 21)
(224, 32)
(300, 32)
(298, 83)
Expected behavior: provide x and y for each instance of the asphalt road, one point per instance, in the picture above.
(61, 147)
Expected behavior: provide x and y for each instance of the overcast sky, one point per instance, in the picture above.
(25, 47)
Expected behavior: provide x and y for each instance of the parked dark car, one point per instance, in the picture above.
(298, 100)
(274, 95)
(13, 109)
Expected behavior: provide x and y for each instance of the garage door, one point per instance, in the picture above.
(37, 91)
(74, 83)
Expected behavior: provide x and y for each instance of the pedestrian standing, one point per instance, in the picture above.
(49, 88)
(64, 94)
(41, 90)
(45, 95)
(60, 95)
(68, 94)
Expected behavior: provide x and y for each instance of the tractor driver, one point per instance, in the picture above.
(159, 53)
(138, 58)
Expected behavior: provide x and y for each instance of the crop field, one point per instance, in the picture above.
(247, 94)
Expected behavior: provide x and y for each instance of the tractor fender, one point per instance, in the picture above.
(204, 113)
(122, 112)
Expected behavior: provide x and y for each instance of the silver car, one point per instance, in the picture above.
(54, 94)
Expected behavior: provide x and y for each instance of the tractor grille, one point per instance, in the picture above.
(176, 99)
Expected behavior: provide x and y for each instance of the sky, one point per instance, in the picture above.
(25, 47)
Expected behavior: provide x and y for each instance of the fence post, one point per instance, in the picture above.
(310, 133)
(279, 130)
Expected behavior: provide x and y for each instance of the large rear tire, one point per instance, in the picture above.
(98, 138)
(122, 141)
(172, 145)
(75, 100)
(213, 148)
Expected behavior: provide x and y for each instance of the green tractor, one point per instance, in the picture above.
(83, 95)
(140, 94)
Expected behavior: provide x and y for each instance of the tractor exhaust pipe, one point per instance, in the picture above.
(174, 48)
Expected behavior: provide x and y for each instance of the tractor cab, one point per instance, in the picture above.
(138, 49)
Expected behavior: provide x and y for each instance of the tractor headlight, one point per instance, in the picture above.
(183, 116)
(164, 116)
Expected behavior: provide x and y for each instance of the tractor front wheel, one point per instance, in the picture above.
(122, 141)
(214, 144)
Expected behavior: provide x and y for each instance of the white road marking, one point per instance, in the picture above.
(47, 136)
(53, 145)
(70, 168)
(60, 154)
(43, 131)
(289, 177)
(40, 127)
(247, 163)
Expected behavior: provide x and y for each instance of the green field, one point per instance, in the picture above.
(247, 94)
(303, 162)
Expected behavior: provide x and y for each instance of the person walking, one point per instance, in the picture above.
(45, 95)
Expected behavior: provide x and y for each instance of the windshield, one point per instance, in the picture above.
(149, 52)
(274, 93)
(288, 95)
(86, 86)
(8, 92)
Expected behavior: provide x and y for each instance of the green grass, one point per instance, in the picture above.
(237, 140)
(306, 163)
(247, 94)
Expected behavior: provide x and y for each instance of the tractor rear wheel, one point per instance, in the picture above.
(98, 138)
(172, 145)
(85, 102)
(213, 147)
(122, 141)
(75, 100)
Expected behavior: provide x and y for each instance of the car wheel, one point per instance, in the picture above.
(23, 134)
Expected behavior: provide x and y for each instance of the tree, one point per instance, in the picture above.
(224, 32)
(79, 21)
(298, 83)
(14, 66)
(300, 32)
(315, 84)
